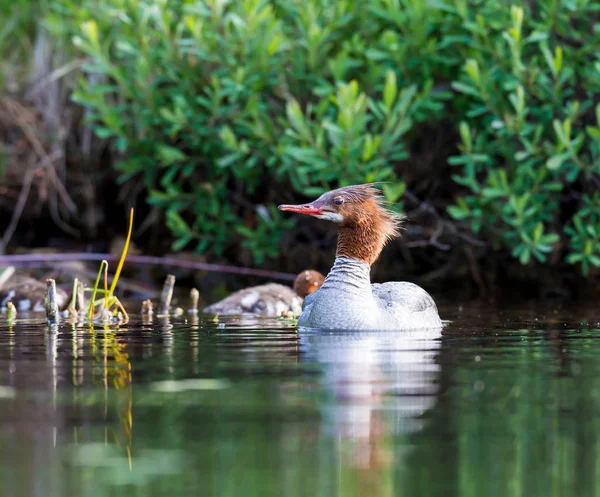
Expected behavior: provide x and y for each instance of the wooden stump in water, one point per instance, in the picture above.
(166, 295)
(51, 306)
(194, 297)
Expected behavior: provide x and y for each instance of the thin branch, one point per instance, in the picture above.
(433, 240)
(60, 188)
(55, 75)
(47, 260)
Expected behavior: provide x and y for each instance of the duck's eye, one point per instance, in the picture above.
(338, 200)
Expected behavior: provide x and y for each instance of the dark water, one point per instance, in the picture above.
(501, 403)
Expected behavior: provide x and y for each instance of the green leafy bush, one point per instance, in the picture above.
(531, 130)
(205, 99)
(19, 24)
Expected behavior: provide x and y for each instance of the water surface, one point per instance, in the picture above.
(499, 403)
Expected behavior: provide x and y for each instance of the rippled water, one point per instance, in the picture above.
(500, 403)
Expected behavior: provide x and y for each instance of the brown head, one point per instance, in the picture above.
(364, 224)
(307, 282)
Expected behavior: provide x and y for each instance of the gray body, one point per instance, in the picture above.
(348, 301)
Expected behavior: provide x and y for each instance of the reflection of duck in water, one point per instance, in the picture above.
(347, 299)
(271, 299)
(380, 382)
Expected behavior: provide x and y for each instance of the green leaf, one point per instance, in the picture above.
(170, 155)
(229, 160)
(554, 162)
(393, 192)
(593, 132)
(390, 90)
(466, 89)
(525, 256)
(228, 137)
(550, 239)
(457, 212)
(176, 223)
(305, 155)
(493, 193)
(296, 118)
(538, 232)
(90, 30)
(522, 155)
(574, 258)
(558, 129)
(472, 69)
(465, 134)
(558, 59)
(102, 132)
(181, 243)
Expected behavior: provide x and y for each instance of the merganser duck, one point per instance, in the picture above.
(347, 300)
(271, 299)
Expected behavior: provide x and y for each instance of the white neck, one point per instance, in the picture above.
(349, 275)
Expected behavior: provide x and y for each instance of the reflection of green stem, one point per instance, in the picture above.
(95, 290)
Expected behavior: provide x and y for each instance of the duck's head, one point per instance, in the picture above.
(365, 224)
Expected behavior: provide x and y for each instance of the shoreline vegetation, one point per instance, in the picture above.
(480, 120)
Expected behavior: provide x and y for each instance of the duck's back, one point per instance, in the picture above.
(407, 304)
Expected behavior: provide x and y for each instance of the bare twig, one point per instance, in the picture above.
(55, 75)
(18, 210)
(475, 273)
(22, 200)
(46, 160)
(80, 302)
(430, 209)
(433, 240)
(54, 213)
(124, 316)
(61, 190)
